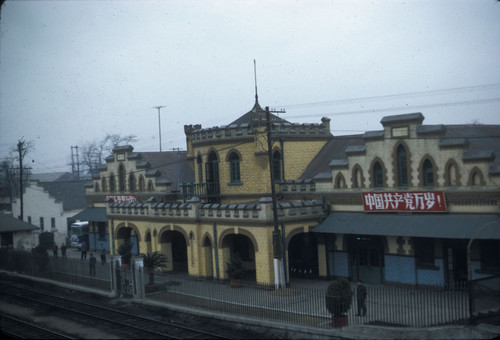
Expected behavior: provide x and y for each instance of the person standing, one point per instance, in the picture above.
(361, 294)
(92, 263)
(84, 249)
(54, 250)
(103, 255)
(63, 250)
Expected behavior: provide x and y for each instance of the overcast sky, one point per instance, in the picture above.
(73, 71)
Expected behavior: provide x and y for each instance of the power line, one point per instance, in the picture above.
(400, 108)
(395, 96)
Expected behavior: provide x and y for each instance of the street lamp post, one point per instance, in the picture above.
(159, 122)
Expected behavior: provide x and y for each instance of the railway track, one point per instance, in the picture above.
(15, 328)
(124, 323)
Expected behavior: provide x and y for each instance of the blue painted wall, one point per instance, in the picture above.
(400, 269)
(432, 276)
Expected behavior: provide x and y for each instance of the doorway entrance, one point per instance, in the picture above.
(367, 256)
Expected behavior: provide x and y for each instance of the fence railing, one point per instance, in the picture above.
(303, 303)
(299, 304)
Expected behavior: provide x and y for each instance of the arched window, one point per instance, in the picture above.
(131, 183)
(121, 178)
(200, 169)
(339, 182)
(452, 174)
(428, 173)
(112, 185)
(103, 185)
(402, 164)
(151, 186)
(96, 187)
(357, 178)
(277, 165)
(378, 175)
(142, 185)
(234, 167)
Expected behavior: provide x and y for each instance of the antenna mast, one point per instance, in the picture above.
(255, 76)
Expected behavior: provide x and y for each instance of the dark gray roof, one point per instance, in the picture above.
(257, 117)
(167, 167)
(457, 226)
(70, 193)
(9, 223)
(396, 119)
(480, 142)
(92, 214)
(52, 177)
(332, 151)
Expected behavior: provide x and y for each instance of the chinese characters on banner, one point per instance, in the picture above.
(416, 201)
(123, 198)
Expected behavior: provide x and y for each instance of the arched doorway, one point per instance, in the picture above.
(173, 244)
(303, 256)
(243, 246)
(208, 271)
(127, 235)
(367, 258)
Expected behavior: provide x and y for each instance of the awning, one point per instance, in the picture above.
(457, 226)
(92, 214)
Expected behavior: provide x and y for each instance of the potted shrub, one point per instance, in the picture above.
(338, 301)
(235, 270)
(152, 262)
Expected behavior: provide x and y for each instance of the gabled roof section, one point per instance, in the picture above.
(8, 223)
(167, 166)
(333, 153)
(70, 193)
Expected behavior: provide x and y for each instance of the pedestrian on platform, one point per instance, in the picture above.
(63, 250)
(92, 263)
(103, 255)
(54, 250)
(84, 247)
(361, 294)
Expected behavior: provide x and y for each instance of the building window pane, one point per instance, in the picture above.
(277, 165)
(234, 161)
(428, 172)
(42, 228)
(402, 166)
(378, 175)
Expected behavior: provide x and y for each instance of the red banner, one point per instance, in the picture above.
(415, 201)
(122, 198)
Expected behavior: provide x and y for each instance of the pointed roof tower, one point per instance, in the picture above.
(257, 116)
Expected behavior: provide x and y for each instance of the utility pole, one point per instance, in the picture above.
(20, 149)
(279, 279)
(159, 121)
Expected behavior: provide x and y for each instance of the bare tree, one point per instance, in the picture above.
(10, 171)
(94, 153)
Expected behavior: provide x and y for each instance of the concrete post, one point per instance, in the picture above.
(115, 267)
(138, 277)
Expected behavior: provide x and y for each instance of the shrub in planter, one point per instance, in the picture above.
(235, 269)
(338, 300)
(153, 261)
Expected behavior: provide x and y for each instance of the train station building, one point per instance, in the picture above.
(398, 205)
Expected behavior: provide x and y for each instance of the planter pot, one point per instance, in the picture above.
(339, 321)
(235, 283)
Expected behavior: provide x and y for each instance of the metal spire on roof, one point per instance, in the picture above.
(255, 75)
